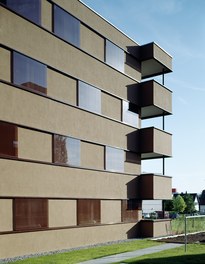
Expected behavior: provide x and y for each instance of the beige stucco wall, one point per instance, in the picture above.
(162, 142)
(39, 180)
(61, 87)
(6, 222)
(41, 113)
(110, 212)
(44, 241)
(92, 156)
(62, 213)
(5, 64)
(96, 22)
(34, 145)
(162, 187)
(91, 42)
(46, 15)
(132, 168)
(59, 54)
(111, 106)
(162, 97)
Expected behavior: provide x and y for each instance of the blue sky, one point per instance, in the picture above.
(178, 26)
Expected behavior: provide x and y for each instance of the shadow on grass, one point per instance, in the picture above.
(186, 259)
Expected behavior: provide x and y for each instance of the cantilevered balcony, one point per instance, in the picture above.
(154, 60)
(155, 99)
(154, 143)
(154, 187)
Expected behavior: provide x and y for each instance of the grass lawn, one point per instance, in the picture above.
(195, 254)
(91, 253)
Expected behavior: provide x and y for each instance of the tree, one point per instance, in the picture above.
(179, 204)
(190, 207)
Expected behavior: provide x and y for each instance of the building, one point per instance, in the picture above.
(71, 104)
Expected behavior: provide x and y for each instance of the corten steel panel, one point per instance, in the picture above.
(39, 180)
(44, 241)
(155, 60)
(130, 211)
(156, 100)
(153, 186)
(5, 65)
(88, 212)
(30, 214)
(59, 118)
(9, 140)
(59, 53)
(154, 143)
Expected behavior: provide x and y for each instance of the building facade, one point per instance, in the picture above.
(71, 143)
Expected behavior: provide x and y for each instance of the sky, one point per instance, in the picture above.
(178, 26)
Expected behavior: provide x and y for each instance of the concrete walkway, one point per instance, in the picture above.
(132, 254)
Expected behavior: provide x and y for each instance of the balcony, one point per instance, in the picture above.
(154, 60)
(154, 187)
(154, 143)
(155, 99)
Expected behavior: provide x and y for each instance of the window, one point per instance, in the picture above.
(129, 116)
(30, 214)
(8, 139)
(29, 73)
(66, 26)
(114, 56)
(114, 159)
(30, 9)
(89, 97)
(88, 212)
(66, 150)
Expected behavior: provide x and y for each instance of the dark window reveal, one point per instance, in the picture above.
(30, 214)
(66, 26)
(29, 73)
(30, 9)
(8, 139)
(66, 150)
(88, 212)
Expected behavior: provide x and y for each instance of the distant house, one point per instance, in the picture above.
(195, 198)
(202, 203)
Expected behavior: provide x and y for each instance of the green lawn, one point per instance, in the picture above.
(195, 254)
(91, 253)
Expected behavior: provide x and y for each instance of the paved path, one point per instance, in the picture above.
(132, 254)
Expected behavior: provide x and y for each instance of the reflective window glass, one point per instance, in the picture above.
(30, 9)
(114, 159)
(66, 26)
(29, 73)
(88, 212)
(114, 56)
(130, 117)
(89, 97)
(66, 150)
